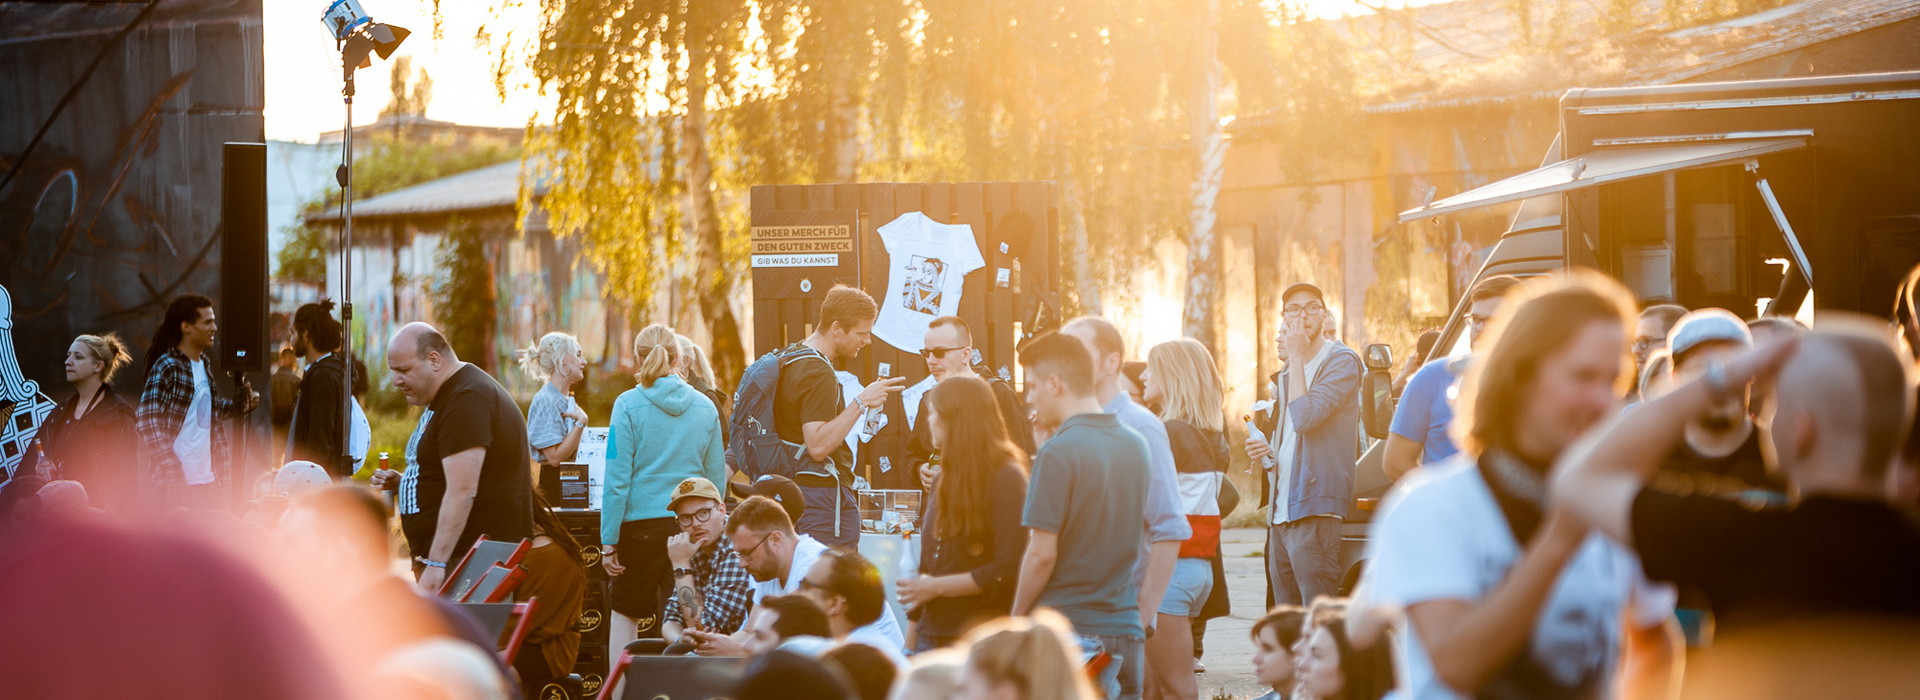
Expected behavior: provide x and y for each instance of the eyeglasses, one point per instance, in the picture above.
(744, 554)
(698, 516)
(939, 353)
(806, 584)
(1294, 311)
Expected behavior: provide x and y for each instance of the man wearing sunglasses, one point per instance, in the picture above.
(948, 350)
(711, 591)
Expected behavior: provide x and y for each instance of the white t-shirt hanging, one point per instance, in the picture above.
(928, 261)
(910, 397)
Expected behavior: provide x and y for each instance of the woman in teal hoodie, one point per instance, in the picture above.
(664, 432)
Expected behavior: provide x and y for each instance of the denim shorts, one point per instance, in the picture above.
(1187, 590)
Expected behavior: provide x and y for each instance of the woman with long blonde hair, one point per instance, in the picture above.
(1181, 379)
(1025, 658)
(664, 432)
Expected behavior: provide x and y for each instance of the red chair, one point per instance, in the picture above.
(478, 562)
(613, 679)
(523, 611)
(508, 623)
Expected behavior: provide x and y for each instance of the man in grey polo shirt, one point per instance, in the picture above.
(1089, 486)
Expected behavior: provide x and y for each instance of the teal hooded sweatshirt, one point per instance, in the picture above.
(662, 435)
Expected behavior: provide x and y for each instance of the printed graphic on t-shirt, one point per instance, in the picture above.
(926, 276)
(928, 264)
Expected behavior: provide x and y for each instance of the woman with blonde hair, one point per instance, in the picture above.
(1495, 580)
(1025, 658)
(1181, 380)
(554, 421)
(664, 432)
(698, 372)
(91, 437)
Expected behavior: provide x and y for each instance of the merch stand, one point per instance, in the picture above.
(800, 248)
(594, 658)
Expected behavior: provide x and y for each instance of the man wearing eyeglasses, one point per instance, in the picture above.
(948, 350)
(711, 591)
(1650, 334)
(1420, 421)
(1315, 427)
(772, 553)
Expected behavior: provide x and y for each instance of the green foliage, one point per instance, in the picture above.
(463, 301)
(304, 257)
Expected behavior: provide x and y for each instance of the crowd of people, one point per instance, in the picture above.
(1584, 495)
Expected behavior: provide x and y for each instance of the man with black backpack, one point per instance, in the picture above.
(790, 418)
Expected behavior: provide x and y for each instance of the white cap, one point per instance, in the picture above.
(298, 477)
(1707, 326)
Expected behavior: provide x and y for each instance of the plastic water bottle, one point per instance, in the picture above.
(1255, 433)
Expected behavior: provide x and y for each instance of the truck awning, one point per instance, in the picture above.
(1612, 164)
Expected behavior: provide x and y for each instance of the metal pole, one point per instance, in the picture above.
(346, 280)
(1780, 220)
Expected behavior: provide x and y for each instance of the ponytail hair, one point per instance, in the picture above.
(659, 352)
(107, 350)
(541, 359)
(697, 366)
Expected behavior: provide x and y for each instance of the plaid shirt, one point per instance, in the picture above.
(724, 585)
(163, 409)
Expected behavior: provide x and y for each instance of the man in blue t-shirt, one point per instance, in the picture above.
(1088, 489)
(1426, 407)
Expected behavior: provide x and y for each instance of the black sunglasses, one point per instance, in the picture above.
(939, 353)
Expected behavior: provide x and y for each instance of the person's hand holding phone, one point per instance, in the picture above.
(713, 644)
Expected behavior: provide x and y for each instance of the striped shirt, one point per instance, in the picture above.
(409, 501)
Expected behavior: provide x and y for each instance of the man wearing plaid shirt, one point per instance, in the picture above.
(180, 404)
(709, 585)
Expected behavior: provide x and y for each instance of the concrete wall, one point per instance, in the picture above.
(118, 209)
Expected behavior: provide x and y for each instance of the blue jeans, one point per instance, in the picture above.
(1123, 676)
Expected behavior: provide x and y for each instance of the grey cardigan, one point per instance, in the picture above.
(1328, 420)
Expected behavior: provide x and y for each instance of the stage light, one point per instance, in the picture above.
(358, 37)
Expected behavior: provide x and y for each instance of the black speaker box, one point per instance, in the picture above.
(243, 259)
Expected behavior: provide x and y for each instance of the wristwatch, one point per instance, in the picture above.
(682, 571)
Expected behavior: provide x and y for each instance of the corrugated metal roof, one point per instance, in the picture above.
(491, 187)
(1462, 53)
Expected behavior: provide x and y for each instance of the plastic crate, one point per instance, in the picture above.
(889, 511)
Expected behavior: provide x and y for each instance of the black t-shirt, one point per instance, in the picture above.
(1688, 471)
(1825, 556)
(809, 392)
(471, 410)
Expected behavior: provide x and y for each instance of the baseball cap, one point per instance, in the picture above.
(1303, 287)
(1704, 326)
(779, 488)
(298, 477)
(693, 487)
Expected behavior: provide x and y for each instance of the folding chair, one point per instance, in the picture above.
(673, 677)
(478, 562)
(495, 618)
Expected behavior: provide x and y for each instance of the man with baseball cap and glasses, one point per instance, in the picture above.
(711, 590)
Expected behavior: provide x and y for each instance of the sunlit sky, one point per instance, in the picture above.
(303, 67)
